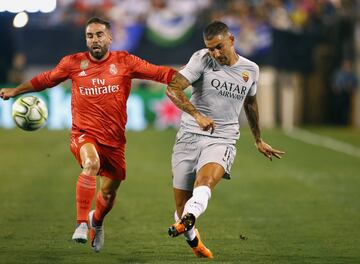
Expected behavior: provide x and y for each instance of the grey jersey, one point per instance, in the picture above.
(218, 92)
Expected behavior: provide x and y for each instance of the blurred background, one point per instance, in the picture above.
(308, 52)
(304, 208)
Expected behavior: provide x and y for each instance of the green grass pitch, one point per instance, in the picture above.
(304, 208)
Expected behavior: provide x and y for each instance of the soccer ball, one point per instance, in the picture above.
(29, 113)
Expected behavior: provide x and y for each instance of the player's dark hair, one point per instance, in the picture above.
(215, 28)
(98, 20)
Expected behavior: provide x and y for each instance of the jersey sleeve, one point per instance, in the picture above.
(194, 68)
(253, 87)
(141, 69)
(52, 77)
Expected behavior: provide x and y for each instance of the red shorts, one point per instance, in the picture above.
(112, 160)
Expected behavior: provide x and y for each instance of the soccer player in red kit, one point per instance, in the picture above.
(101, 82)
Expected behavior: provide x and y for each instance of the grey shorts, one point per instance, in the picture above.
(192, 151)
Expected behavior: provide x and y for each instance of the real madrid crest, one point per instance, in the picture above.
(84, 64)
(113, 70)
(245, 76)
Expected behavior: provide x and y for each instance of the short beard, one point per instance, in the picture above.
(99, 54)
(224, 62)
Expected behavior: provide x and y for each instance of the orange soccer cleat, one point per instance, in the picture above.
(181, 226)
(199, 248)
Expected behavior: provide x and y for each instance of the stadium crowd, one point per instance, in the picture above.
(252, 20)
(296, 15)
(298, 36)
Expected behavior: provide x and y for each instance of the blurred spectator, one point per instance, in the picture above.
(6, 47)
(16, 72)
(344, 84)
(279, 16)
(89, 8)
(127, 18)
(188, 7)
(129, 12)
(168, 25)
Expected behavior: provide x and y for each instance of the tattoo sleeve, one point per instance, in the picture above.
(175, 91)
(252, 114)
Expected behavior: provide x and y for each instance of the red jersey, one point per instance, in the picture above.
(100, 90)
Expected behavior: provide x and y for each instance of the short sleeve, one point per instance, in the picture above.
(195, 67)
(253, 87)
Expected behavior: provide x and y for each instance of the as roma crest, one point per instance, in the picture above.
(245, 76)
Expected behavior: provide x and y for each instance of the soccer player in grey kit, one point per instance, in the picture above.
(204, 151)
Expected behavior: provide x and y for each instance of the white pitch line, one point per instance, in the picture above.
(323, 141)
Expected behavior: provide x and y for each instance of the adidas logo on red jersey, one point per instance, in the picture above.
(83, 73)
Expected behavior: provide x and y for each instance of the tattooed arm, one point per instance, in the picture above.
(252, 114)
(175, 91)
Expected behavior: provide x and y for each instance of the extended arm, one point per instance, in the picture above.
(43, 80)
(6, 93)
(252, 114)
(175, 91)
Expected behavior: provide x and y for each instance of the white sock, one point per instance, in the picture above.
(190, 234)
(197, 204)
(176, 217)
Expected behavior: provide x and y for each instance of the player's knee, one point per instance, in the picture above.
(204, 181)
(91, 166)
(209, 181)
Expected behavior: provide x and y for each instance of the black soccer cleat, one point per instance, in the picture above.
(184, 224)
